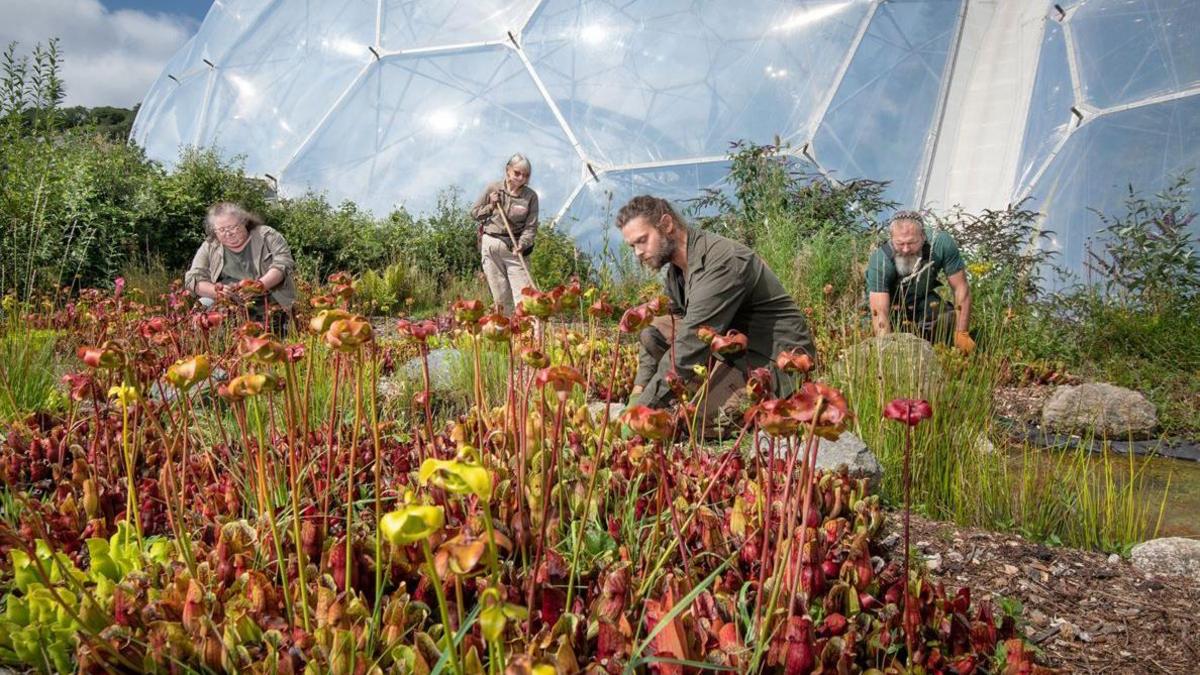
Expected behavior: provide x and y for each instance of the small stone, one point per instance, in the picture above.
(1113, 559)
(954, 556)
(934, 562)
(1011, 570)
(890, 541)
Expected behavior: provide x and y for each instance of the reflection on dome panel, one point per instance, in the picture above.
(879, 122)
(1134, 49)
(1145, 147)
(172, 117)
(419, 24)
(1049, 107)
(267, 100)
(414, 126)
(670, 80)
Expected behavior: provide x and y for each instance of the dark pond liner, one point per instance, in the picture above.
(1175, 448)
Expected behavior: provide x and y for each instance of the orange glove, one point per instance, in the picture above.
(963, 342)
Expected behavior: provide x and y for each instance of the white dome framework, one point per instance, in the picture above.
(387, 102)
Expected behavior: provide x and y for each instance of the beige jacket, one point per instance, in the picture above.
(268, 250)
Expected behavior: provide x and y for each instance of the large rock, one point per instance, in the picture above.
(1106, 410)
(903, 361)
(1168, 556)
(848, 449)
(596, 410)
(407, 378)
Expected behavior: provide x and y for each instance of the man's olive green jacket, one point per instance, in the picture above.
(728, 286)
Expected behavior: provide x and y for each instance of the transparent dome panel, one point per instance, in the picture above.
(1145, 147)
(592, 214)
(224, 25)
(419, 24)
(646, 82)
(275, 85)
(172, 117)
(1050, 115)
(415, 125)
(1134, 49)
(879, 122)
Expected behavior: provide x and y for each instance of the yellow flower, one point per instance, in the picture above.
(124, 394)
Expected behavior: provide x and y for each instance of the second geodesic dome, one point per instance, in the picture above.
(953, 101)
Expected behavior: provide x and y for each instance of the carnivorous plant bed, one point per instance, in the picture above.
(215, 499)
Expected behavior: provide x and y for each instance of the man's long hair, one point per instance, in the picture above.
(651, 208)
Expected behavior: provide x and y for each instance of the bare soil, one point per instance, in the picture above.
(1087, 612)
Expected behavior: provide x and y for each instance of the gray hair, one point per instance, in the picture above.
(518, 159)
(907, 217)
(221, 209)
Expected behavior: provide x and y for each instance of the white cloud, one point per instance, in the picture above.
(109, 57)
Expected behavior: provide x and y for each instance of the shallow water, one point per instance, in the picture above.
(1181, 513)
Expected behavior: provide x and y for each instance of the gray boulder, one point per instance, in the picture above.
(407, 378)
(848, 449)
(906, 363)
(1107, 410)
(1175, 556)
(596, 410)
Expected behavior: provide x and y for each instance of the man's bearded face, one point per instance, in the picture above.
(906, 264)
(908, 238)
(652, 246)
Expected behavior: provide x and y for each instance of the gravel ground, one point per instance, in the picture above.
(1087, 612)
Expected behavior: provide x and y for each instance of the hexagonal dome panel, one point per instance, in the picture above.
(1135, 49)
(275, 84)
(878, 125)
(1100, 162)
(415, 125)
(668, 80)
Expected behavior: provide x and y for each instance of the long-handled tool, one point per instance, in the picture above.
(520, 258)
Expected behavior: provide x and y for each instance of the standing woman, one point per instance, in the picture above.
(238, 246)
(506, 248)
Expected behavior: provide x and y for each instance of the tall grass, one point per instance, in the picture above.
(1071, 496)
(27, 372)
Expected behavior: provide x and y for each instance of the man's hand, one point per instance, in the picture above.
(963, 342)
(494, 197)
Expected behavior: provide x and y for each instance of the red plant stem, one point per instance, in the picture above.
(807, 474)
(547, 477)
(424, 349)
(908, 637)
(665, 490)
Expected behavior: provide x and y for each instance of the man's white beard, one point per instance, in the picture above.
(906, 264)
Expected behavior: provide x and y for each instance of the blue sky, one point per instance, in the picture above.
(112, 50)
(193, 8)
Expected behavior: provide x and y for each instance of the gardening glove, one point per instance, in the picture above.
(963, 342)
(526, 250)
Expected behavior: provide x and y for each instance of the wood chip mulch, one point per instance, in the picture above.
(1087, 612)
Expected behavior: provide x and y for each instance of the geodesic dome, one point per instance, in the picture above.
(953, 101)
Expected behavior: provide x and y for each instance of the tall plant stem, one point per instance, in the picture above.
(268, 503)
(350, 474)
(447, 628)
(547, 477)
(294, 492)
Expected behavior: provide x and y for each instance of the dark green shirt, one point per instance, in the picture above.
(914, 292)
(237, 267)
(728, 286)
